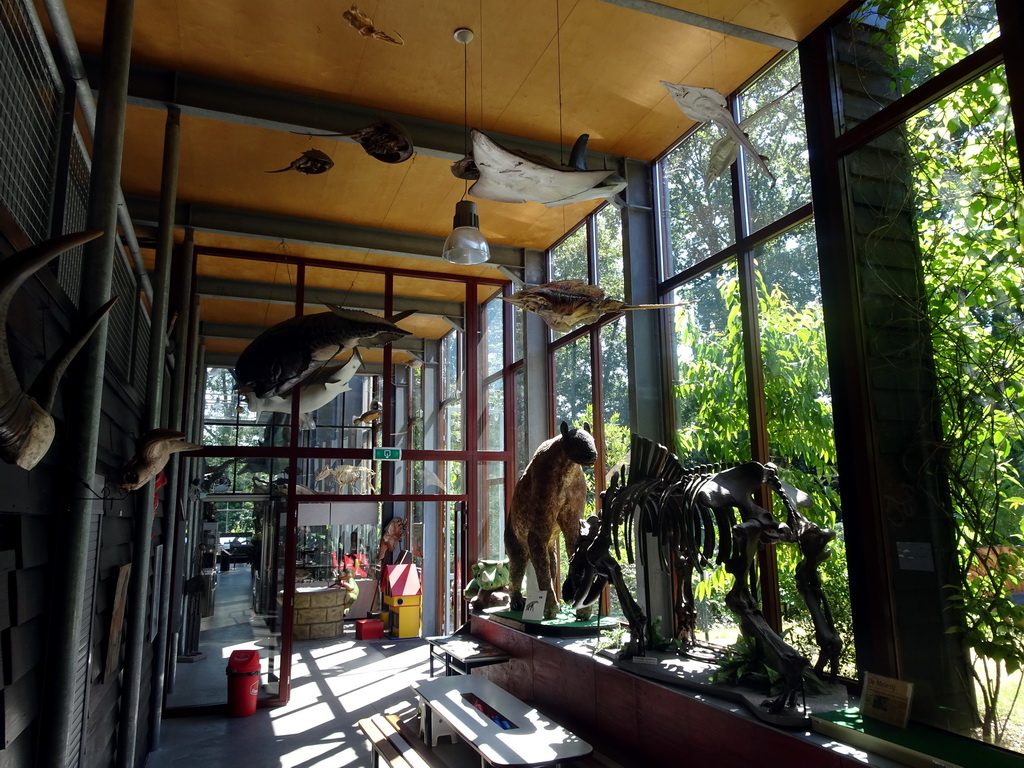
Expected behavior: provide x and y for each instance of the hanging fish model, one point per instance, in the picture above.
(285, 354)
(311, 162)
(314, 393)
(370, 416)
(26, 427)
(703, 104)
(725, 151)
(723, 154)
(363, 24)
(384, 140)
(516, 177)
(567, 304)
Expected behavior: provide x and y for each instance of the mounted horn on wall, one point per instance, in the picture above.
(26, 426)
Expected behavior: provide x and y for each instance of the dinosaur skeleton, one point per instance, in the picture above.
(692, 514)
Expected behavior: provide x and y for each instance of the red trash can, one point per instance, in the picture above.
(243, 673)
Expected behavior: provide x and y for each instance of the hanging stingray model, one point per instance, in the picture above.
(567, 304)
(702, 104)
(26, 426)
(311, 162)
(314, 393)
(285, 354)
(153, 450)
(363, 24)
(384, 140)
(516, 177)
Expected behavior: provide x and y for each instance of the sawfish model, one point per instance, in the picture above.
(566, 304)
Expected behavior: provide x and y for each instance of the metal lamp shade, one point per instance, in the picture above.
(466, 244)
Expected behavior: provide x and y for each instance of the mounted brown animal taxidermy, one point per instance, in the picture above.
(550, 497)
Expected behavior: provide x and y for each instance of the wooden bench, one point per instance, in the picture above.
(387, 742)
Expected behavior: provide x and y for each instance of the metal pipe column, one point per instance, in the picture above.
(154, 396)
(181, 298)
(84, 422)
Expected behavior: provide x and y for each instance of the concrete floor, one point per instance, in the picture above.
(334, 684)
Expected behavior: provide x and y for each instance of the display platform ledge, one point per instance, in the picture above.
(594, 695)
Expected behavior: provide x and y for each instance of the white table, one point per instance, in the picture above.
(461, 654)
(532, 739)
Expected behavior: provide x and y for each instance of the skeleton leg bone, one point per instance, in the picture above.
(746, 538)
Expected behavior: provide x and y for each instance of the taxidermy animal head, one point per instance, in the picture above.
(285, 354)
(515, 177)
(384, 140)
(566, 304)
(153, 450)
(311, 162)
(578, 444)
(314, 393)
(26, 426)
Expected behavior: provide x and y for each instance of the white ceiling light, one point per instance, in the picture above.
(466, 243)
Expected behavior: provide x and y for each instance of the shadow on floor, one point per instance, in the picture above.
(334, 684)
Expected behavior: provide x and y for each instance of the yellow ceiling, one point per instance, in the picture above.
(537, 69)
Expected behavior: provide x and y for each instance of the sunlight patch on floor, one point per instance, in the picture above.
(306, 719)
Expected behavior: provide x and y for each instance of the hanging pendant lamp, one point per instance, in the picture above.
(466, 244)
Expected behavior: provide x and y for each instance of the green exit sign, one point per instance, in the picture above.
(386, 454)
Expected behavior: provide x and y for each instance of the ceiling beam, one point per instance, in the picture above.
(278, 228)
(705, 22)
(276, 293)
(244, 104)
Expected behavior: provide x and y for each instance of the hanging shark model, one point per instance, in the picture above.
(703, 104)
(314, 393)
(285, 354)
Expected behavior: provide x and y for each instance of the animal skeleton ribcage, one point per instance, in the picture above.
(703, 516)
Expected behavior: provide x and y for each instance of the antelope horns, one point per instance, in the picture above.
(26, 426)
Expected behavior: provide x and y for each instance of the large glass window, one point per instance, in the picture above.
(947, 211)
(698, 215)
(750, 370)
(772, 116)
(589, 367)
(710, 379)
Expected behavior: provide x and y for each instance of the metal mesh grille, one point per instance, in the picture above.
(128, 330)
(29, 123)
(69, 266)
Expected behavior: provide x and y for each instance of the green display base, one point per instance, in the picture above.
(564, 625)
(916, 745)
